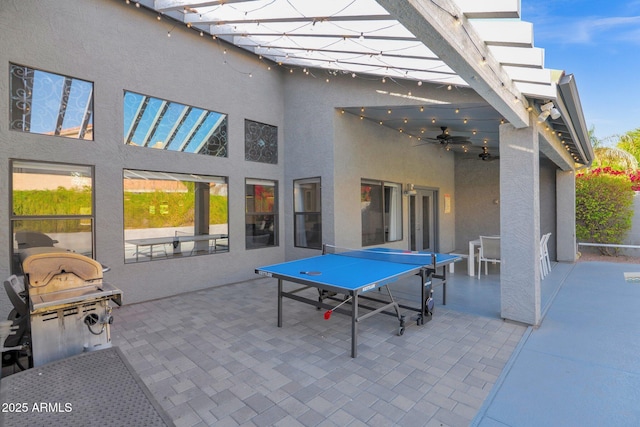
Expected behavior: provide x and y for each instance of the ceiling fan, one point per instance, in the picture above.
(445, 138)
(486, 156)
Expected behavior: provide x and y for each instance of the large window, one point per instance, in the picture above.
(307, 213)
(169, 215)
(261, 213)
(50, 104)
(51, 206)
(381, 209)
(165, 125)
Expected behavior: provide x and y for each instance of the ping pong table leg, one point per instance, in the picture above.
(354, 324)
(279, 303)
(444, 285)
(423, 308)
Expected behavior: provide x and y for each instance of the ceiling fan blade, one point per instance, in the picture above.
(459, 140)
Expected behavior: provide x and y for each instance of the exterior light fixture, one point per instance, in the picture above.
(548, 109)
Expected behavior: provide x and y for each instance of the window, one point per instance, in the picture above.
(165, 125)
(307, 213)
(261, 213)
(168, 215)
(50, 104)
(51, 206)
(381, 209)
(260, 142)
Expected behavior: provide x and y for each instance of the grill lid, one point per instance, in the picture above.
(48, 271)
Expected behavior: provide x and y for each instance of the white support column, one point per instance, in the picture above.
(566, 216)
(520, 224)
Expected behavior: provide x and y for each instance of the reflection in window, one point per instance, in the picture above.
(260, 142)
(165, 125)
(261, 213)
(51, 206)
(307, 213)
(169, 215)
(381, 210)
(50, 104)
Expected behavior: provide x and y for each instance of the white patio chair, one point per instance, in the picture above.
(543, 265)
(544, 254)
(489, 252)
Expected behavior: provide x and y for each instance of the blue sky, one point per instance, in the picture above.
(598, 41)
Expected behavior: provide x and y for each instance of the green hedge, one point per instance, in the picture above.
(162, 209)
(141, 210)
(604, 208)
(61, 201)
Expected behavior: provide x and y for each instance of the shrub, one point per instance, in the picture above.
(604, 207)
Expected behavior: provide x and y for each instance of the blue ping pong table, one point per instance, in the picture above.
(353, 273)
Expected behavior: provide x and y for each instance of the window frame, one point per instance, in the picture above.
(253, 150)
(201, 225)
(385, 215)
(162, 122)
(274, 234)
(14, 218)
(297, 213)
(67, 96)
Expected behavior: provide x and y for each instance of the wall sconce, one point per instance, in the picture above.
(409, 190)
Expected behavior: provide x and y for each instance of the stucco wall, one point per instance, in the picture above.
(365, 150)
(342, 149)
(548, 206)
(117, 46)
(478, 200)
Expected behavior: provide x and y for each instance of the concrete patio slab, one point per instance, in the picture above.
(581, 367)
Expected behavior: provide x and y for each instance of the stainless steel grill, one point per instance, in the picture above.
(68, 303)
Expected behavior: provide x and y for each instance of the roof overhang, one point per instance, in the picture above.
(459, 43)
(568, 131)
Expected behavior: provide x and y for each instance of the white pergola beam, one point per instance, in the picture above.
(530, 75)
(519, 57)
(504, 33)
(537, 90)
(167, 5)
(490, 9)
(443, 29)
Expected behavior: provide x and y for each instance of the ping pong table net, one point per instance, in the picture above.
(397, 256)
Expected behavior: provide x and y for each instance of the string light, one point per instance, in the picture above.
(458, 20)
(292, 55)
